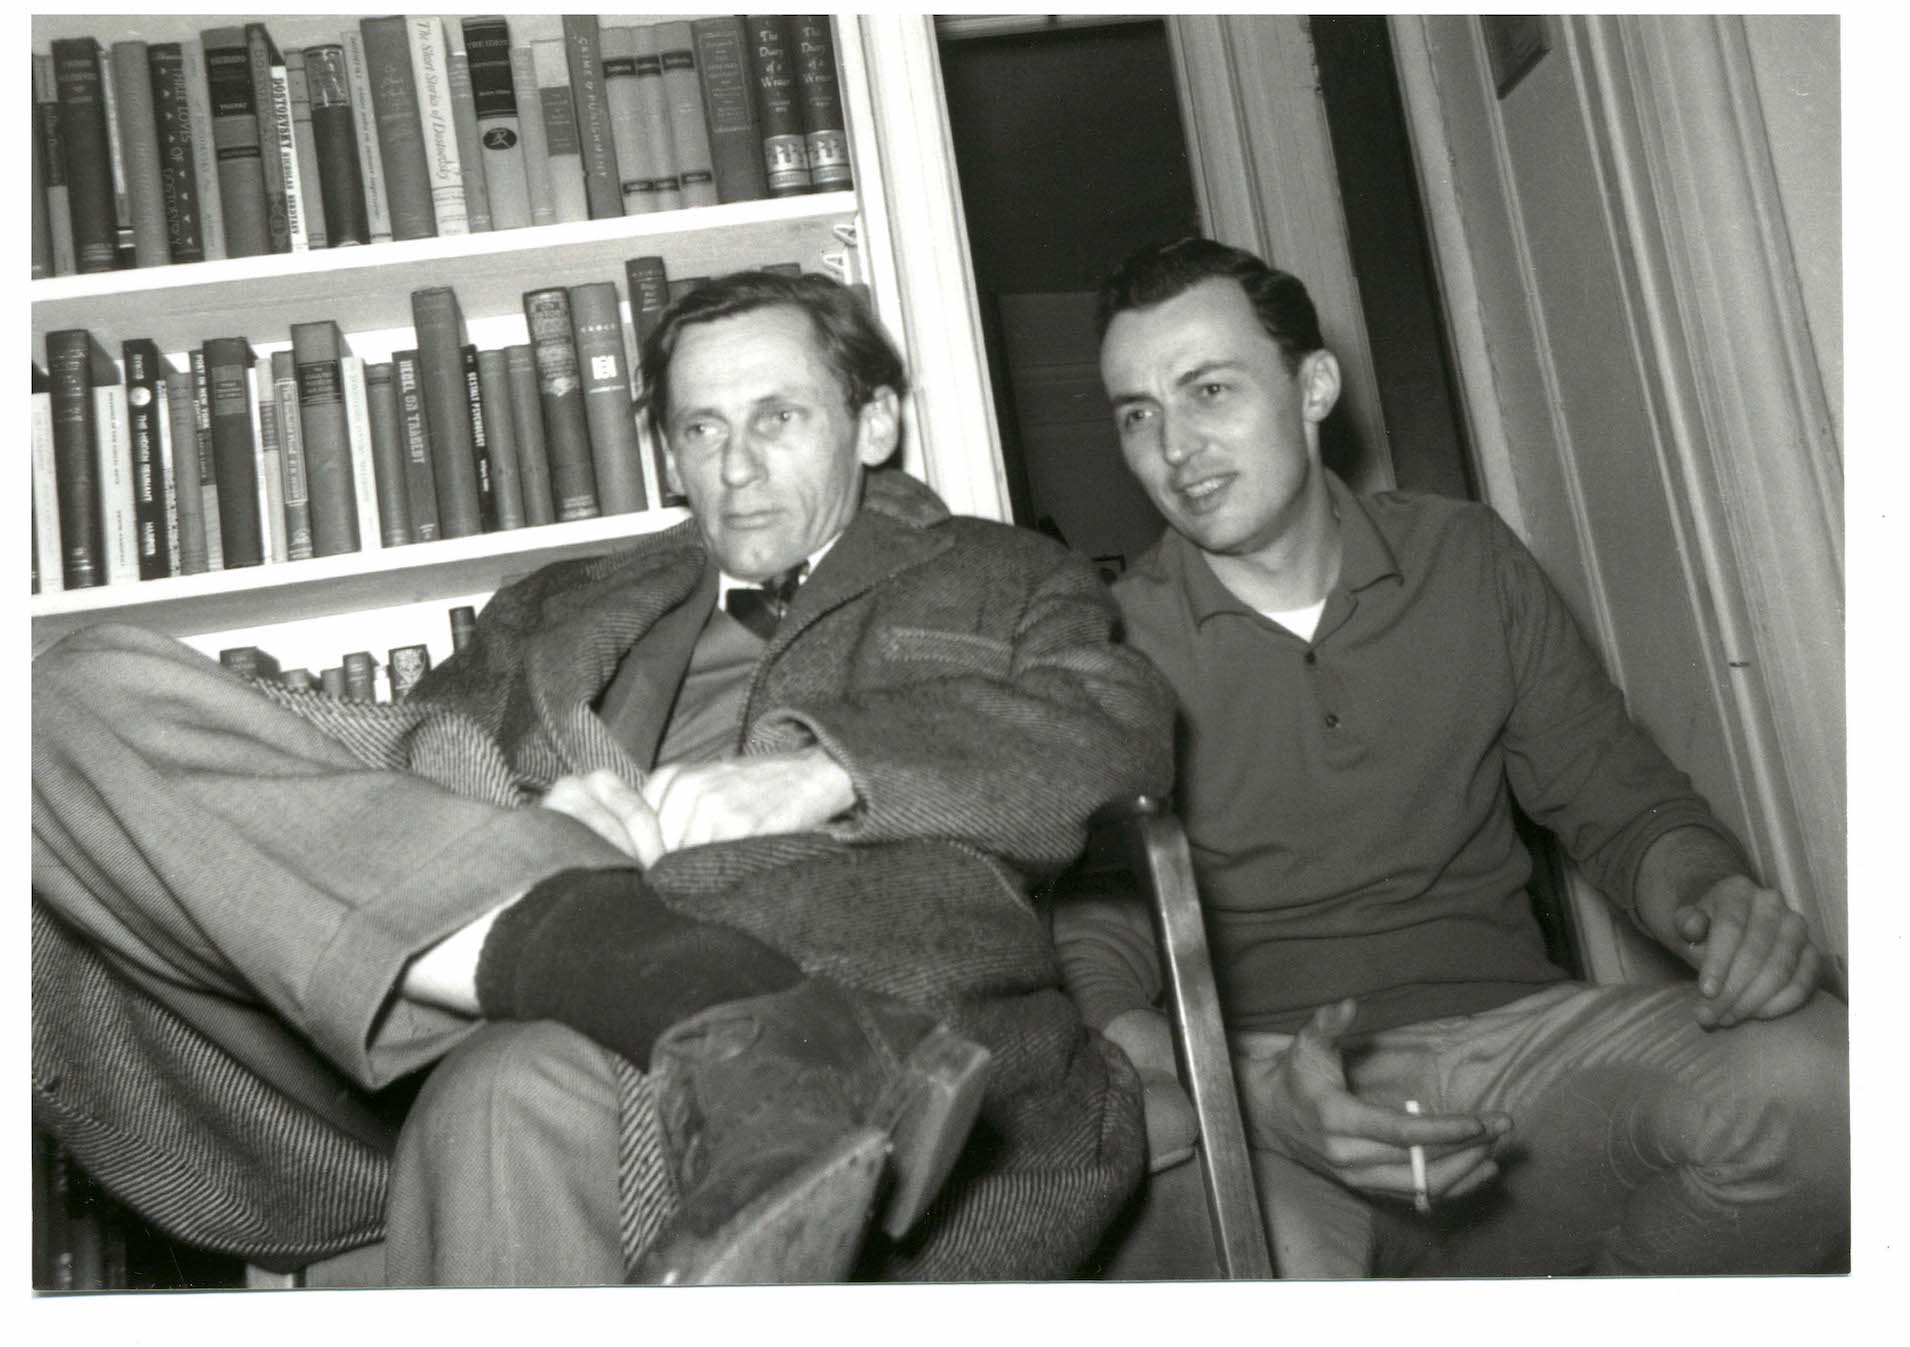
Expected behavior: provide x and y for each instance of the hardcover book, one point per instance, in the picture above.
(371, 162)
(530, 125)
(351, 377)
(228, 361)
(573, 480)
(570, 197)
(304, 186)
(487, 46)
(49, 571)
(113, 439)
(430, 68)
(653, 110)
(296, 477)
(421, 489)
(316, 348)
(729, 107)
(388, 453)
(638, 168)
(648, 282)
(477, 195)
(265, 67)
(394, 94)
(440, 327)
(139, 148)
(208, 460)
(89, 165)
(602, 183)
(772, 52)
(824, 138)
(140, 359)
(178, 155)
(480, 441)
(335, 143)
(615, 453)
(188, 504)
(236, 144)
(406, 666)
(46, 123)
(70, 365)
(168, 499)
(689, 128)
(527, 417)
(270, 459)
(205, 157)
(500, 439)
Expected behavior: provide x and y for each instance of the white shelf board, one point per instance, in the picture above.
(188, 605)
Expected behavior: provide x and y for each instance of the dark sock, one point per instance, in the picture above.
(598, 951)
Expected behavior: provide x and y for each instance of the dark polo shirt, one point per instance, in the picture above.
(1346, 798)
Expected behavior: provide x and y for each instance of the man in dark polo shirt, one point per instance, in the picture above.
(1366, 684)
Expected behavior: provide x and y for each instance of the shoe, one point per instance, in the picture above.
(760, 1104)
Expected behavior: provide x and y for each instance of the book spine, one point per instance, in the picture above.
(332, 680)
(527, 417)
(205, 158)
(168, 496)
(351, 374)
(235, 133)
(729, 108)
(689, 128)
(494, 387)
(500, 155)
(477, 196)
(772, 59)
(824, 135)
(208, 459)
(530, 126)
(262, 60)
(440, 327)
(295, 476)
(59, 210)
(653, 112)
(480, 441)
(394, 93)
(89, 169)
(116, 157)
(406, 666)
(371, 165)
(310, 184)
(117, 522)
(648, 282)
(421, 490)
(178, 180)
(183, 459)
(388, 454)
(443, 174)
(139, 145)
(636, 158)
(361, 673)
(615, 453)
(269, 460)
(602, 184)
(463, 626)
(234, 452)
(573, 481)
(48, 566)
(326, 438)
(334, 141)
(69, 363)
(42, 234)
(140, 360)
(570, 197)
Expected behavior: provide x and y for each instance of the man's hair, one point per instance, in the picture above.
(852, 342)
(1161, 271)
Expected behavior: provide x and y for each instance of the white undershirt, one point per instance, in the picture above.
(1302, 622)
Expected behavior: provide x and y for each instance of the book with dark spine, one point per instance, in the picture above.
(205, 158)
(570, 198)
(262, 58)
(70, 365)
(407, 665)
(421, 489)
(46, 124)
(772, 55)
(487, 46)
(236, 143)
(297, 478)
(388, 454)
(477, 195)
(500, 428)
(729, 107)
(394, 94)
(615, 452)
(139, 149)
(431, 70)
(689, 127)
(270, 460)
(371, 161)
(682, 285)
(335, 146)
(234, 453)
(316, 348)
(208, 461)
(42, 243)
(637, 166)
(114, 441)
(573, 480)
(89, 165)
(824, 135)
(332, 682)
(178, 174)
(361, 673)
(141, 361)
(602, 183)
(298, 680)
(653, 112)
(527, 417)
(440, 326)
(480, 441)
(530, 125)
(116, 157)
(188, 503)
(248, 661)
(463, 626)
(648, 282)
(305, 198)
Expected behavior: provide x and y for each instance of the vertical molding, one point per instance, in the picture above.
(1264, 180)
(914, 240)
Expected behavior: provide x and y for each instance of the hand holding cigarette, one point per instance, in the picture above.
(1422, 1200)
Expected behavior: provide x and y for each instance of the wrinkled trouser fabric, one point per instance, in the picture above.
(1641, 1142)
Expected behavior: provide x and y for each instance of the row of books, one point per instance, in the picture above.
(409, 127)
(356, 676)
(147, 469)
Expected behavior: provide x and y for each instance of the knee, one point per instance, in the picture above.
(493, 1085)
(1789, 1088)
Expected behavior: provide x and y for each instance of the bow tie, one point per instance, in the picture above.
(761, 607)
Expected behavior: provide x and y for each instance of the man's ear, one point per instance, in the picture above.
(878, 427)
(1319, 379)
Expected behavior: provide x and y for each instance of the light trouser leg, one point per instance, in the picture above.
(506, 1170)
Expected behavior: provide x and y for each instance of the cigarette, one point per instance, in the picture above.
(1422, 1200)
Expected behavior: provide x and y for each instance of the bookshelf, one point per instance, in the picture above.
(899, 230)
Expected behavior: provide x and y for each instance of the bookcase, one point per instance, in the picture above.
(898, 230)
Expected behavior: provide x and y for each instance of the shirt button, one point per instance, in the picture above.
(1332, 721)
(1312, 658)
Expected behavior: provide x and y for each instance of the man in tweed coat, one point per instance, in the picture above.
(860, 795)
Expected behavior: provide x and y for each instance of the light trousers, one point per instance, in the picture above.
(1641, 1143)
